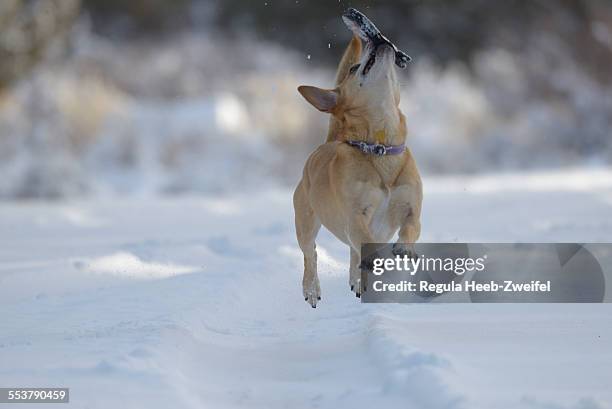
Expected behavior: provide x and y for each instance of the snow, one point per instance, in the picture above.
(195, 302)
(162, 116)
(127, 264)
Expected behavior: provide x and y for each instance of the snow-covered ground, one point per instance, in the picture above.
(195, 302)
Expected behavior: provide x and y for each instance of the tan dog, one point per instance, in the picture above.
(359, 197)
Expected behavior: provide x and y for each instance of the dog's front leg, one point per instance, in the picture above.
(355, 271)
(408, 234)
(406, 210)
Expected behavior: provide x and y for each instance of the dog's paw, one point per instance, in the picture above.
(367, 263)
(356, 286)
(403, 249)
(312, 292)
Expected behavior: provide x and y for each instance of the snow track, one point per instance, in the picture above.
(196, 303)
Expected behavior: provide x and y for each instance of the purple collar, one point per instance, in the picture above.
(377, 149)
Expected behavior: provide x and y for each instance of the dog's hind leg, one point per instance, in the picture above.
(359, 233)
(307, 227)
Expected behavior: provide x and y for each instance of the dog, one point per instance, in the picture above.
(362, 184)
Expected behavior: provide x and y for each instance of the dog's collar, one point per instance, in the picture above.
(377, 149)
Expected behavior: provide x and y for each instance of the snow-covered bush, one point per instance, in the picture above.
(197, 112)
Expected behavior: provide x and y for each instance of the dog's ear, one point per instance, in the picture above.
(323, 99)
(351, 56)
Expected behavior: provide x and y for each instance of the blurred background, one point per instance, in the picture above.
(156, 97)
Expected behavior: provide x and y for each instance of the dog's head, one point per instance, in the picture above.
(365, 102)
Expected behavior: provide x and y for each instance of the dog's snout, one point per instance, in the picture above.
(383, 47)
(369, 33)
